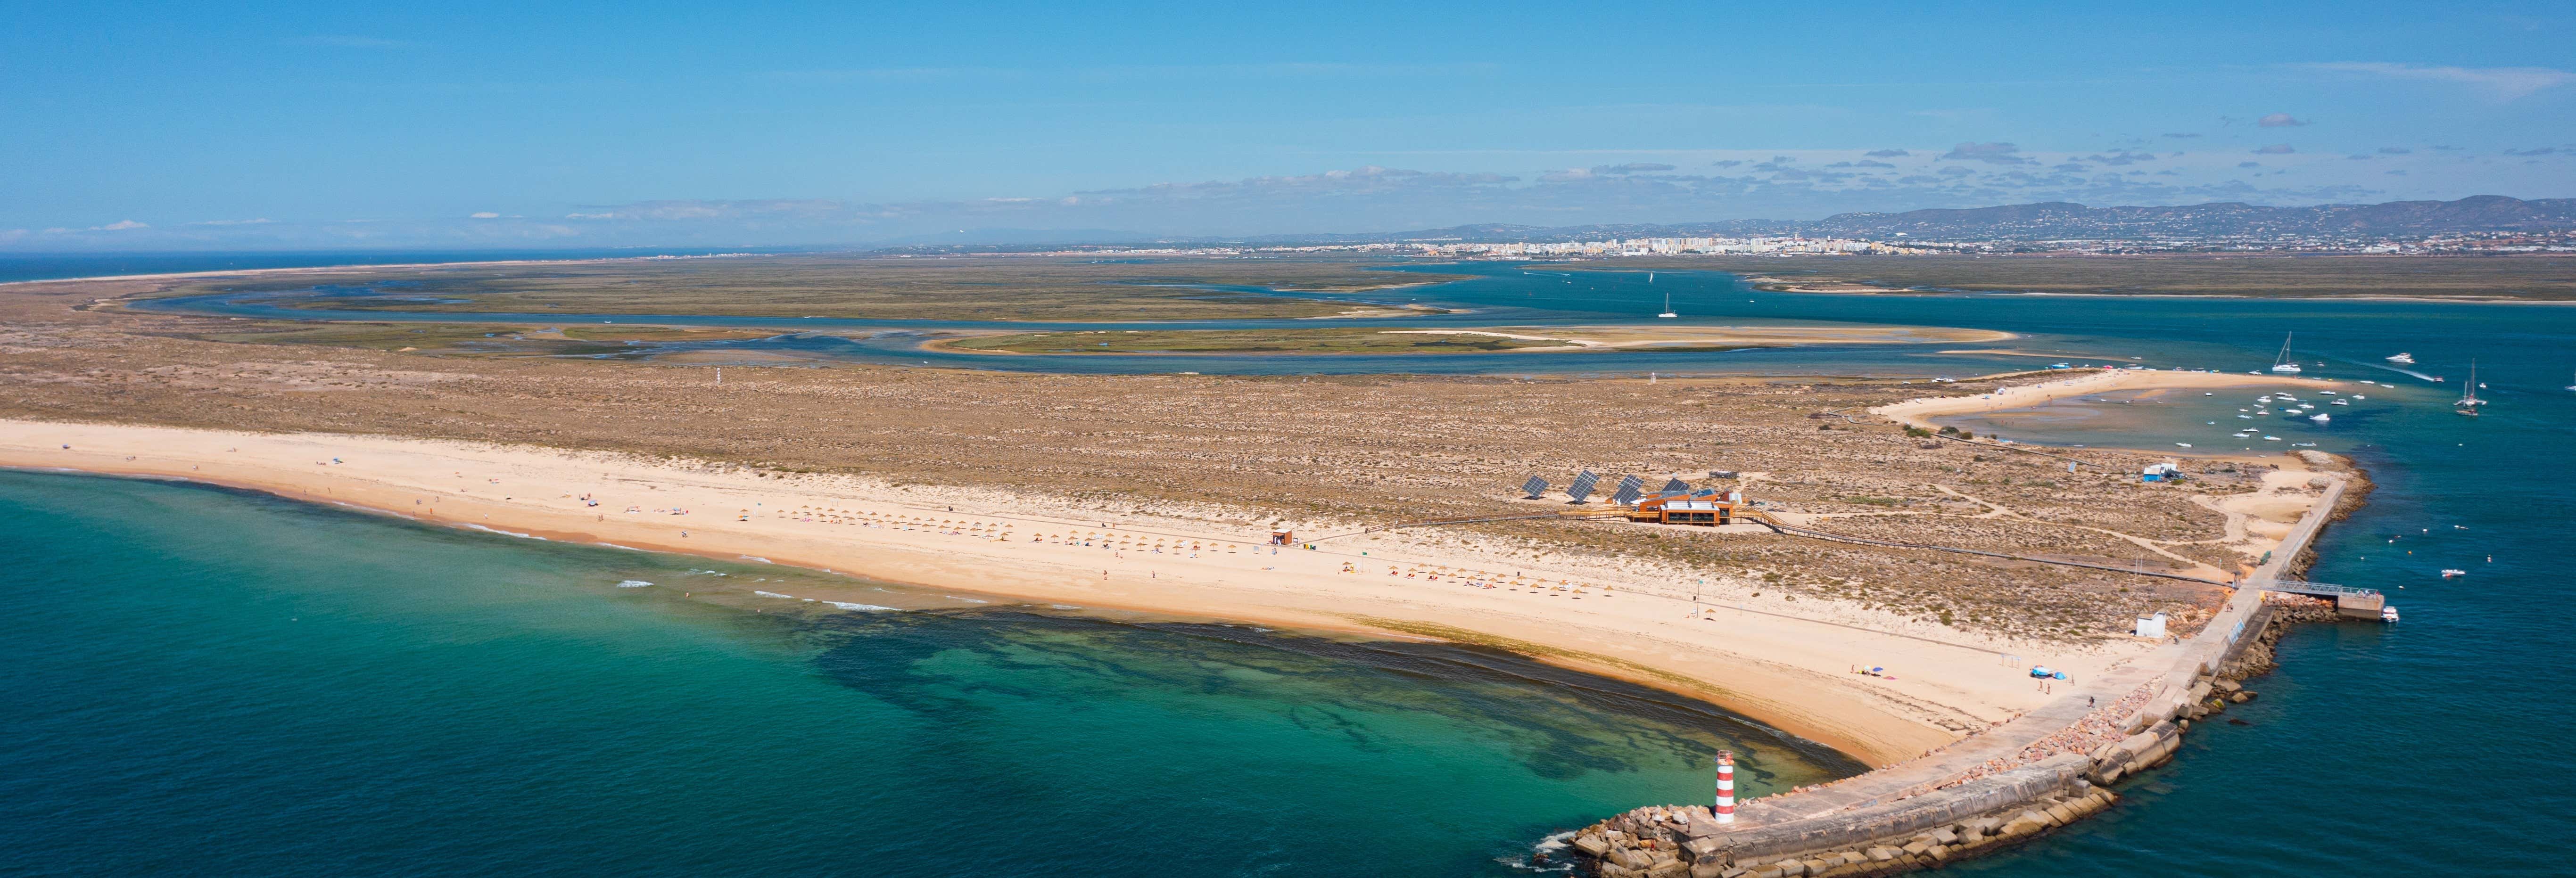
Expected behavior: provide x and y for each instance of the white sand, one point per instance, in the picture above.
(1785, 662)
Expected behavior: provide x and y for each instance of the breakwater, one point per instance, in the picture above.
(1995, 789)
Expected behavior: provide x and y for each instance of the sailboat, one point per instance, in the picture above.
(2282, 363)
(1668, 306)
(2469, 401)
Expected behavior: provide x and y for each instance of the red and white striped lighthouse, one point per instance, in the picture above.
(1725, 786)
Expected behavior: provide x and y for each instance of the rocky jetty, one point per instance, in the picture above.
(1893, 820)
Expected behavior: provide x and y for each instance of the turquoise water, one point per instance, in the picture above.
(2430, 745)
(2230, 334)
(2436, 744)
(204, 681)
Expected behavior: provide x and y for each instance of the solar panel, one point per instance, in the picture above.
(1534, 487)
(1630, 488)
(1582, 486)
(1676, 486)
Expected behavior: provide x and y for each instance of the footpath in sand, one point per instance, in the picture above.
(1784, 663)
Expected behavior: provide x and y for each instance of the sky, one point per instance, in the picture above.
(465, 124)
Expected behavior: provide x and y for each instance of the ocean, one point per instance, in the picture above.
(204, 681)
(213, 682)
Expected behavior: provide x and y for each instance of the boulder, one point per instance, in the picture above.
(2228, 686)
(1918, 847)
(1631, 858)
(1669, 869)
(2060, 814)
(1883, 853)
(1790, 868)
(1710, 870)
(2029, 823)
(1592, 845)
(1945, 836)
(2240, 696)
(1614, 870)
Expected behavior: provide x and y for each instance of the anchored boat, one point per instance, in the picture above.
(2282, 363)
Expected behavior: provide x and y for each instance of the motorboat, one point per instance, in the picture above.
(2402, 358)
(2453, 573)
(2339, 402)
(2322, 418)
(2388, 614)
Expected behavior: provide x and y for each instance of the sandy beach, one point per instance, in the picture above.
(1919, 412)
(1785, 662)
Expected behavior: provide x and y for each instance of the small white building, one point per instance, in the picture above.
(2151, 626)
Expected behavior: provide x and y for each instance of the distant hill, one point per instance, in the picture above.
(2058, 219)
(2046, 221)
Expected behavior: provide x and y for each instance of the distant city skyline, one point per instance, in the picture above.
(480, 125)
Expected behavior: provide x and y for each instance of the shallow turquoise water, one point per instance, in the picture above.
(2431, 745)
(2436, 744)
(210, 682)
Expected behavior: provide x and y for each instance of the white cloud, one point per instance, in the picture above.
(120, 225)
(238, 222)
(2506, 83)
(484, 214)
(2280, 120)
(1990, 153)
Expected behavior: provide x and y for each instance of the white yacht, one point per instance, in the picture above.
(2402, 358)
(2282, 363)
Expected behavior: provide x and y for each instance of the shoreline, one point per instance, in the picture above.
(1919, 412)
(1994, 790)
(1781, 664)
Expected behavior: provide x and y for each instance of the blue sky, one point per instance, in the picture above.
(143, 126)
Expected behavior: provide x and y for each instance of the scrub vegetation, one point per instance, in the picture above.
(920, 288)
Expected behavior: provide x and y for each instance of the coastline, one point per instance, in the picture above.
(1998, 789)
(1780, 663)
(1919, 412)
